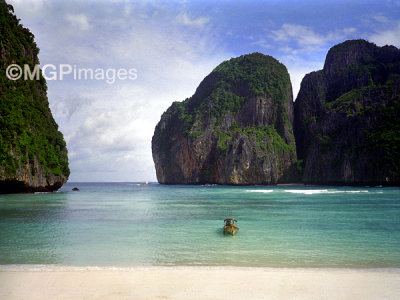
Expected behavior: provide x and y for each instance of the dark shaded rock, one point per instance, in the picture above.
(235, 129)
(75, 189)
(33, 154)
(347, 117)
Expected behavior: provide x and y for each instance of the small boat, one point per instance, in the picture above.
(230, 227)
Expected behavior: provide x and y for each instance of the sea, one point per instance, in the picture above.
(136, 225)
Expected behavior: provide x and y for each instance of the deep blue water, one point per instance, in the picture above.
(125, 224)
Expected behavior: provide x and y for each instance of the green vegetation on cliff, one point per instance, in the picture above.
(28, 131)
(257, 74)
(384, 137)
(265, 137)
(239, 116)
(347, 117)
(229, 84)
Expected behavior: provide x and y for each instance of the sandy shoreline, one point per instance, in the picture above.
(198, 283)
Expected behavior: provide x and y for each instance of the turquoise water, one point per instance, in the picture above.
(126, 224)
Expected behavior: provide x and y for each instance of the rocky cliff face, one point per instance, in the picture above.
(347, 117)
(235, 129)
(33, 154)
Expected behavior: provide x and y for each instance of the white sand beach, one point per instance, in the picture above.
(199, 283)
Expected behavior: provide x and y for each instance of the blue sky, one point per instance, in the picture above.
(173, 45)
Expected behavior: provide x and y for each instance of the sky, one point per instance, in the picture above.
(171, 46)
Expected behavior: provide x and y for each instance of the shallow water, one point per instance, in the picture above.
(125, 224)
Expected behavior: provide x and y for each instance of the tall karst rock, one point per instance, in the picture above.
(235, 129)
(33, 154)
(347, 117)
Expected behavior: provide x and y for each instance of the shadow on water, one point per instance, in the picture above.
(31, 228)
(220, 233)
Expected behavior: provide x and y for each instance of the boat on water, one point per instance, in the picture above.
(230, 226)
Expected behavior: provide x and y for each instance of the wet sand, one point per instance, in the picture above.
(199, 283)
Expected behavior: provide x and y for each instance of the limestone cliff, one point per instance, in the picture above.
(33, 154)
(347, 117)
(235, 129)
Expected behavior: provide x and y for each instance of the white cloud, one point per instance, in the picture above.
(78, 20)
(108, 128)
(290, 50)
(340, 35)
(387, 36)
(303, 50)
(262, 42)
(301, 34)
(380, 17)
(34, 5)
(297, 73)
(69, 104)
(195, 22)
(306, 38)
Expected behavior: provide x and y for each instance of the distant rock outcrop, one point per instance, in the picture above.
(347, 117)
(235, 129)
(33, 154)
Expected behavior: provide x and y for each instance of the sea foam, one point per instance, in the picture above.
(324, 191)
